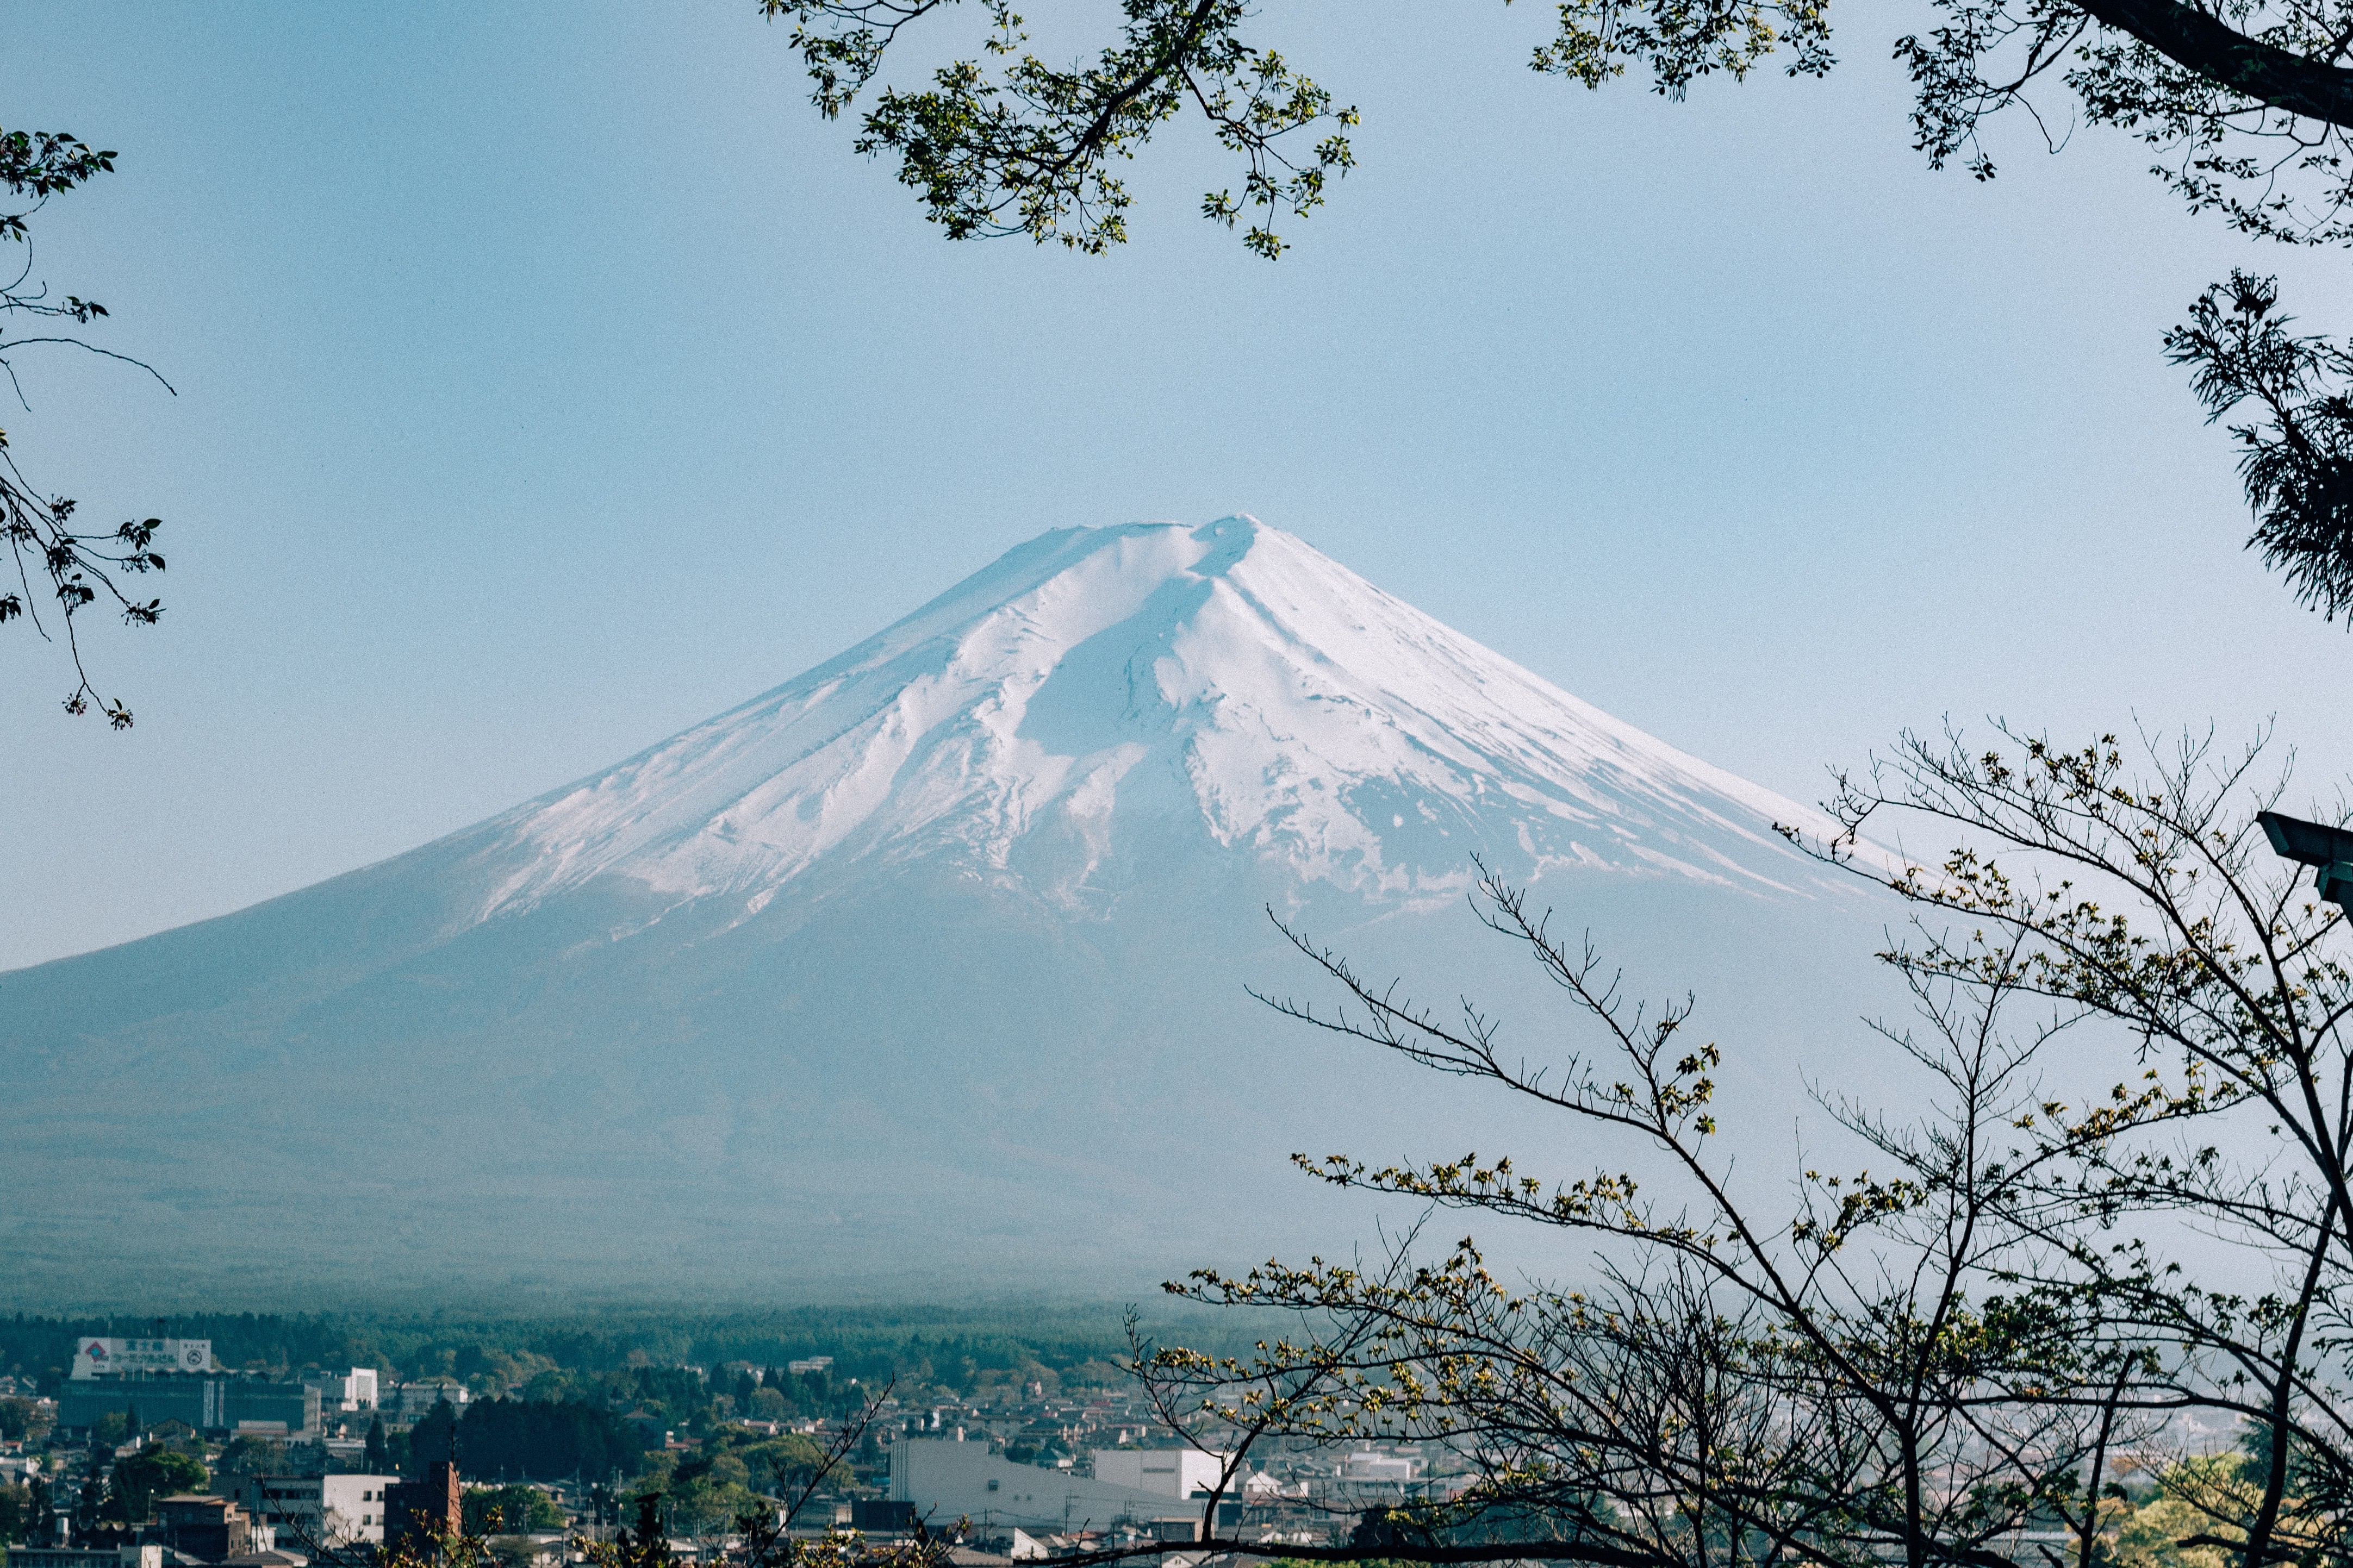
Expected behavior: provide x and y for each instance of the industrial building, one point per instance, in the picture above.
(1171, 1472)
(152, 1381)
(102, 1355)
(212, 1405)
(949, 1480)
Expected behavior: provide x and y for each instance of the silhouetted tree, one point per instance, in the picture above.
(503, 1439)
(2297, 451)
(57, 563)
(434, 1438)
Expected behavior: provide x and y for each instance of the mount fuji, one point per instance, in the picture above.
(922, 971)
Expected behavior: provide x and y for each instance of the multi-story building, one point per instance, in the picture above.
(412, 1401)
(344, 1391)
(316, 1511)
(210, 1528)
(416, 1510)
(947, 1480)
(1172, 1472)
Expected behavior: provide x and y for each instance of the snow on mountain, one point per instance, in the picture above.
(923, 972)
(1098, 686)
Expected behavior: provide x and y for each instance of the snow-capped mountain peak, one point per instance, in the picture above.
(1099, 696)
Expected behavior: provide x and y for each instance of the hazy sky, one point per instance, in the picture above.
(550, 377)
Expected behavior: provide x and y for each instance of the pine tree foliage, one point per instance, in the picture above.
(2296, 452)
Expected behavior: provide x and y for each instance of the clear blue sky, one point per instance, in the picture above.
(550, 377)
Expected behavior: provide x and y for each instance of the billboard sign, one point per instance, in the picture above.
(95, 1356)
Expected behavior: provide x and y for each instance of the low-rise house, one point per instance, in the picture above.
(209, 1529)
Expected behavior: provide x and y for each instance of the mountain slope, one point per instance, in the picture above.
(924, 966)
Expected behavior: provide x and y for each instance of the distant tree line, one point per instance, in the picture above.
(42, 1347)
(646, 1357)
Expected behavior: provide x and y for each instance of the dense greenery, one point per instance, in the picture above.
(2285, 395)
(503, 1437)
(251, 1456)
(16, 1511)
(18, 1416)
(152, 1472)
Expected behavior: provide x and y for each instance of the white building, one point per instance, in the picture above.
(1372, 1467)
(353, 1390)
(319, 1511)
(415, 1400)
(1171, 1472)
(102, 1357)
(948, 1481)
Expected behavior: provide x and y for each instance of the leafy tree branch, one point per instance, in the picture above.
(55, 563)
(2245, 107)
